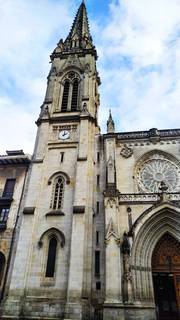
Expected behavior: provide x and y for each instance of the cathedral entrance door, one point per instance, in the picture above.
(166, 278)
(165, 296)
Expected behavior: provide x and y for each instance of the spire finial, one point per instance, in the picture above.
(110, 124)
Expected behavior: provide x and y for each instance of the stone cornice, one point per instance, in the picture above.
(136, 198)
(152, 134)
(15, 160)
(80, 52)
(67, 118)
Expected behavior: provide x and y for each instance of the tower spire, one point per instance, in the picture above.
(79, 37)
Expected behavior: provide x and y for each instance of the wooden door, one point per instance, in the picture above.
(166, 278)
(177, 286)
(165, 296)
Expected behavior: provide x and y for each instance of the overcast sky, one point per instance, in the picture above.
(138, 44)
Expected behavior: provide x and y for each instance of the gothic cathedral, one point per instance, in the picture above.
(97, 232)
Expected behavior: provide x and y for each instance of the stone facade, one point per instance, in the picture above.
(103, 200)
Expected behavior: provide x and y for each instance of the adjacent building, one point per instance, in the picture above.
(13, 172)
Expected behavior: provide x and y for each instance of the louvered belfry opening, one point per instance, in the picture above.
(74, 101)
(65, 97)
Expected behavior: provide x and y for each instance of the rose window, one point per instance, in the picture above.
(153, 172)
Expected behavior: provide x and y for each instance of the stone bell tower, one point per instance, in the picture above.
(52, 273)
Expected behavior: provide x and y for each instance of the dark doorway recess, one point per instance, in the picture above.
(166, 278)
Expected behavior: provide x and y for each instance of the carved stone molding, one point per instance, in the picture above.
(139, 197)
(71, 62)
(147, 197)
(84, 111)
(147, 134)
(126, 152)
(111, 202)
(111, 191)
(111, 232)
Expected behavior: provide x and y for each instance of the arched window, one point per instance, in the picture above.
(65, 96)
(58, 193)
(70, 92)
(2, 265)
(51, 260)
(74, 100)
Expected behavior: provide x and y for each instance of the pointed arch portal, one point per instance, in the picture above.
(166, 277)
(155, 260)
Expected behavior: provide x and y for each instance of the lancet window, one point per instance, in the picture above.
(70, 93)
(53, 242)
(51, 260)
(74, 100)
(58, 193)
(65, 96)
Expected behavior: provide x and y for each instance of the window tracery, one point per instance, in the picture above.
(70, 92)
(65, 96)
(155, 168)
(58, 193)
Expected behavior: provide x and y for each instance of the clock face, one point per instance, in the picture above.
(64, 135)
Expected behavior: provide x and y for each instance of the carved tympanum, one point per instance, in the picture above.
(166, 255)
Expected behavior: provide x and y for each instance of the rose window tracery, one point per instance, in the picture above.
(155, 170)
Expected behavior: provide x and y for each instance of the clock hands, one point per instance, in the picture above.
(64, 134)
